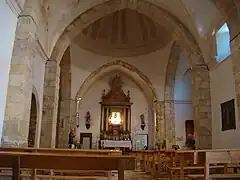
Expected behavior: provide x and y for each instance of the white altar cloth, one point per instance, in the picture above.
(116, 144)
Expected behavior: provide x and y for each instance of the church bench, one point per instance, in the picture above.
(54, 177)
(16, 160)
(65, 151)
(155, 162)
(227, 157)
(58, 150)
(193, 162)
(143, 156)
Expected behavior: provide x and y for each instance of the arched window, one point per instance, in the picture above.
(223, 43)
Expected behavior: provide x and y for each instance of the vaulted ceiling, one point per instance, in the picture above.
(201, 17)
(124, 33)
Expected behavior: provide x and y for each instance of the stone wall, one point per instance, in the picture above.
(50, 104)
(16, 123)
(25, 50)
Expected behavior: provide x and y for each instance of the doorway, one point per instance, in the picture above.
(86, 140)
(33, 122)
(189, 127)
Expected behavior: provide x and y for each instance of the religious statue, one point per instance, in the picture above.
(142, 118)
(88, 120)
(71, 137)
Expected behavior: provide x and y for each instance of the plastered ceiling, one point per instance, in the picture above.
(201, 17)
(124, 33)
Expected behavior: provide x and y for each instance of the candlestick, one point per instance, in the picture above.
(77, 113)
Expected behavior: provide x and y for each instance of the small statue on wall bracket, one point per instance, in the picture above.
(143, 124)
(88, 120)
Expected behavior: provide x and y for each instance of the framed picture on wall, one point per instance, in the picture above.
(228, 115)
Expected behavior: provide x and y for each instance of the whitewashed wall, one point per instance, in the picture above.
(90, 102)
(182, 97)
(223, 89)
(152, 65)
(8, 21)
(38, 69)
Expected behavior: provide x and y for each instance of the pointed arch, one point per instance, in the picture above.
(200, 97)
(146, 7)
(34, 123)
(142, 81)
(169, 92)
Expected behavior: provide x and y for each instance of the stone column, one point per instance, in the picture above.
(201, 105)
(169, 119)
(17, 113)
(50, 104)
(160, 124)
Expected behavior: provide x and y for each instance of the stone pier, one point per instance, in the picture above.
(201, 104)
(50, 104)
(17, 113)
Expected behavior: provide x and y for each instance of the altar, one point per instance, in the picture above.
(116, 144)
(115, 124)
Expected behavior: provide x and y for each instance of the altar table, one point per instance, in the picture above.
(116, 144)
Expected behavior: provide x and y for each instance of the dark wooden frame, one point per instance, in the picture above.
(228, 115)
(89, 135)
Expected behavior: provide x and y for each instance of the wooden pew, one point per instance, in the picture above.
(64, 151)
(61, 151)
(164, 160)
(155, 162)
(17, 160)
(193, 162)
(229, 158)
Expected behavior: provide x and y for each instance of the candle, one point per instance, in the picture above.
(78, 102)
(77, 113)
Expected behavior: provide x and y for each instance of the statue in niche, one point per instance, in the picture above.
(143, 124)
(88, 120)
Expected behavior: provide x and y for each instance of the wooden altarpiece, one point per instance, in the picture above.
(115, 101)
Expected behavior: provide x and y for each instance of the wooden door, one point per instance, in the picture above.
(189, 127)
(86, 140)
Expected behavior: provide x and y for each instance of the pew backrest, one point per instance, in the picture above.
(224, 157)
(60, 151)
(66, 162)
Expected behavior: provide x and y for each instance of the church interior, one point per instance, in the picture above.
(120, 89)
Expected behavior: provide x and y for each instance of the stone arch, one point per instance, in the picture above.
(200, 97)
(160, 15)
(142, 81)
(132, 72)
(169, 92)
(34, 118)
(172, 24)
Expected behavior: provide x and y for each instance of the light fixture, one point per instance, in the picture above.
(115, 118)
